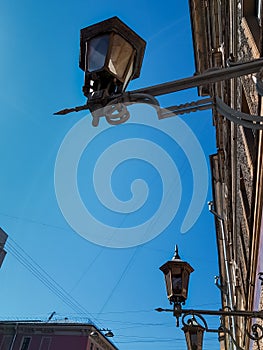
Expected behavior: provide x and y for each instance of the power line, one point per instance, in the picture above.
(121, 277)
(30, 264)
(33, 221)
(42, 278)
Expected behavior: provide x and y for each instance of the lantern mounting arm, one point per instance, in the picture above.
(178, 311)
(241, 313)
(114, 106)
(256, 329)
(212, 75)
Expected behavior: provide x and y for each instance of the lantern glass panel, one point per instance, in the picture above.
(121, 54)
(194, 341)
(168, 283)
(96, 52)
(194, 337)
(177, 284)
(129, 73)
(185, 281)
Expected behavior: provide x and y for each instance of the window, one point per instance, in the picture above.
(244, 196)
(6, 342)
(45, 343)
(252, 13)
(249, 135)
(25, 343)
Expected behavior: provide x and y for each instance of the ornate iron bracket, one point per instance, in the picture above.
(114, 107)
(256, 333)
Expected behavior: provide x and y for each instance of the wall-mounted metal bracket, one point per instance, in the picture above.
(255, 334)
(115, 110)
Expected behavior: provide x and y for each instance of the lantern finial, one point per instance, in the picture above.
(176, 253)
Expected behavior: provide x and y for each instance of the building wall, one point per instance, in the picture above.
(43, 342)
(234, 34)
(46, 336)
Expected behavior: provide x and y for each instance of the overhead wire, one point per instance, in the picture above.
(11, 249)
(120, 278)
(30, 264)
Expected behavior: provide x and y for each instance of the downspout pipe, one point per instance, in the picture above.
(226, 263)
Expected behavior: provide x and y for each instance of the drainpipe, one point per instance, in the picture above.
(228, 291)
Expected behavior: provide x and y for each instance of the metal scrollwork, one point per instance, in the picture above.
(244, 119)
(255, 335)
(257, 332)
(195, 318)
(186, 320)
(116, 113)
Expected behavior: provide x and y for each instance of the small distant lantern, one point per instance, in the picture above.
(109, 334)
(111, 55)
(194, 334)
(176, 273)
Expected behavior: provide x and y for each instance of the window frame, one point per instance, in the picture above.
(23, 345)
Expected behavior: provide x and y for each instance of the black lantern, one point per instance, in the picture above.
(176, 273)
(111, 55)
(194, 333)
(109, 334)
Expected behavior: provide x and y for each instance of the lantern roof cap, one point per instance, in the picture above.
(176, 260)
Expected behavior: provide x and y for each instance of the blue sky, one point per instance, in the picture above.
(51, 267)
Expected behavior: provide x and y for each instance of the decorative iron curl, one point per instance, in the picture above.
(227, 331)
(114, 108)
(257, 332)
(116, 111)
(255, 336)
(237, 117)
(186, 321)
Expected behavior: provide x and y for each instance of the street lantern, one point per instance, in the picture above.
(108, 333)
(111, 55)
(176, 273)
(194, 333)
